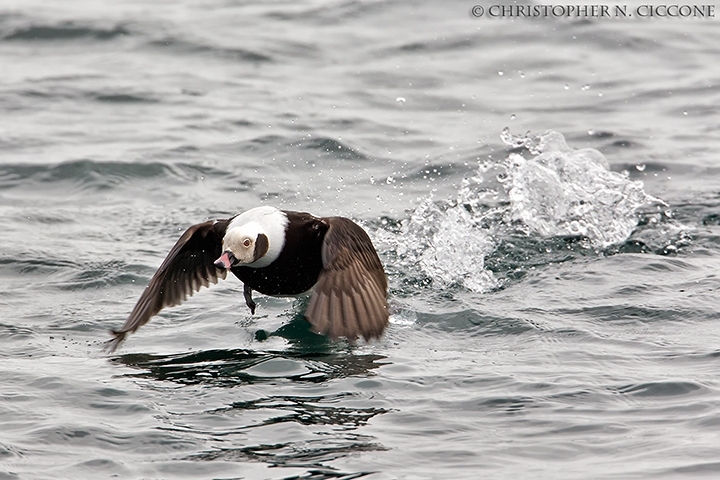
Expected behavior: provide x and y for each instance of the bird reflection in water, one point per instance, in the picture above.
(331, 415)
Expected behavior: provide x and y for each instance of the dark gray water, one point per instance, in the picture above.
(552, 317)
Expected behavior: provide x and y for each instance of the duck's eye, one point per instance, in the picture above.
(247, 242)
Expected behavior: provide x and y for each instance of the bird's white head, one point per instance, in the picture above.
(253, 239)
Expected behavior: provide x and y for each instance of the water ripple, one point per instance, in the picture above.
(66, 31)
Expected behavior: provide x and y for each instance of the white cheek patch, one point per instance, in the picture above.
(233, 242)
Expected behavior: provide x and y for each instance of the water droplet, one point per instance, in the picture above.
(685, 113)
(641, 167)
(585, 87)
(501, 73)
(400, 100)
(567, 87)
(512, 117)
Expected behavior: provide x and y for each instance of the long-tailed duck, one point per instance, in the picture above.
(277, 252)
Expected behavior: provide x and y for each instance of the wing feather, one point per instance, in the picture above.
(188, 267)
(350, 296)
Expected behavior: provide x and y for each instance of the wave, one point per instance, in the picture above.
(72, 275)
(99, 175)
(329, 147)
(19, 29)
(198, 47)
(66, 31)
(323, 148)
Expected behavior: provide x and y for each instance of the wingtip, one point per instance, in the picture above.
(351, 337)
(112, 344)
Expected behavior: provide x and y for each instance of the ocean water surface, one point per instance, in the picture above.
(543, 192)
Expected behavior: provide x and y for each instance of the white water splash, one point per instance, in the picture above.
(457, 247)
(556, 192)
(562, 191)
(446, 241)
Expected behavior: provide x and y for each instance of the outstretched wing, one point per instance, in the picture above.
(187, 267)
(350, 297)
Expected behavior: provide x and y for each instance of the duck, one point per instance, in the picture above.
(277, 253)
